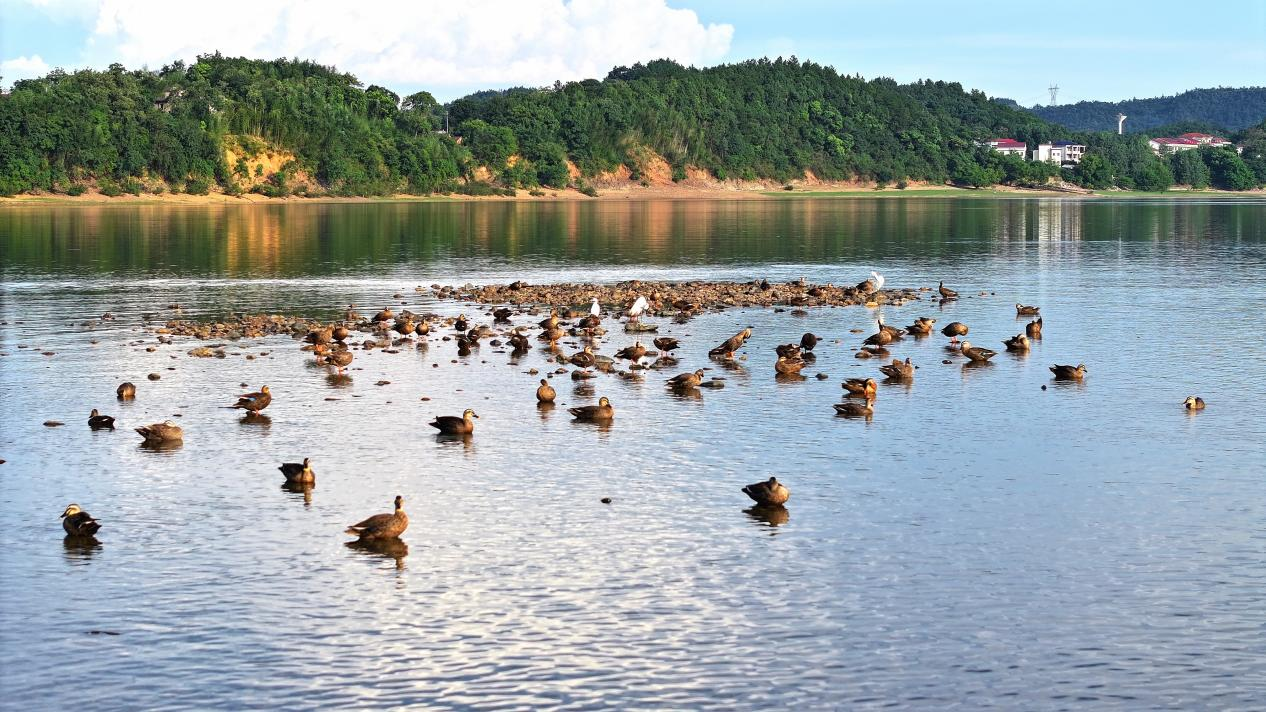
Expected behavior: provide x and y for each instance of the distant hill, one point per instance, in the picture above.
(1231, 109)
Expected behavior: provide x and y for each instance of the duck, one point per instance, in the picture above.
(955, 329)
(126, 391)
(350, 314)
(405, 327)
(1194, 403)
(1069, 373)
(166, 431)
(687, 380)
(77, 522)
(453, 425)
(732, 344)
(809, 341)
(340, 333)
(551, 321)
(339, 359)
(922, 326)
(946, 292)
(385, 315)
(300, 472)
(898, 370)
(853, 409)
(545, 393)
(1019, 342)
(97, 421)
(422, 328)
(893, 331)
(502, 315)
(770, 493)
(382, 526)
(1033, 329)
(788, 366)
(788, 350)
(461, 324)
(861, 387)
(1022, 310)
(519, 341)
(320, 336)
(879, 338)
(977, 353)
(633, 353)
(254, 402)
(584, 358)
(666, 343)
(602, 411)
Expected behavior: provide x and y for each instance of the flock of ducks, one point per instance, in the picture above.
(330, 347)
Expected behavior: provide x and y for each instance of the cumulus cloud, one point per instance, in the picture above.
(424, 42)
(23, 68)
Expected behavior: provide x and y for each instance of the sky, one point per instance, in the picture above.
(1103, 50)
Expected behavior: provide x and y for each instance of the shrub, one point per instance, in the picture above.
(588, 190)
(109, 188)
(233, 189)
(132, 186)
(75, 189)
(198, 186)
(789, 187)
(902, 184)
(536, 192)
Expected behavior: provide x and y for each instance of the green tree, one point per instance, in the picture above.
(490, 145)
(1153, 176)
(1227, 170)
(1189, 168)
(1093, 172)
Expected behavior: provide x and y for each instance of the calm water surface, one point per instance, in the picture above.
(981, 543)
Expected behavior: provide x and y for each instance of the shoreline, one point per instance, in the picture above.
(654, 192)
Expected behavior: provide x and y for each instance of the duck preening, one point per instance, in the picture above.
(126, 391)
(1069, 373)
(861, 387)
(96, 421)
(732, 344)
(1033, 329)
(687, 380)
(545, 393)
(454, 425)
(1193, 403)
(977, 353)
(809, 341)
(788, 366)
(1019, 342)
(898, 370)
(602, 411)
(853, 409)
(954, 329)
(922, 326)
(254, 402)
(77, 522)
(166, 431)
(300, 472)
(770, 493)
(382, 526)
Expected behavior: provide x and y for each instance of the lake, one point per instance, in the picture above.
(990, 538)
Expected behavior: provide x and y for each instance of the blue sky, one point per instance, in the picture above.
(1092, 50)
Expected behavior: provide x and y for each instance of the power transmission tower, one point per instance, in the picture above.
(1054, 90)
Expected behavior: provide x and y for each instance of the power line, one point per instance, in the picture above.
(1054, 90)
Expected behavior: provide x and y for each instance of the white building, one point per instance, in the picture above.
(1060, 153)
(1162, 145)
(1008, 146)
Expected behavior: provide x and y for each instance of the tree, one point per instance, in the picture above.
(1227, 170)
(1189, 169)
(1153, 176)
(490, 145)
(1093, 172)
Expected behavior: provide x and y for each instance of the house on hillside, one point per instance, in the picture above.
(1060, 153)
(1008, 146)
(1162, 145)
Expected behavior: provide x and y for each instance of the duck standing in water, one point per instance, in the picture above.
(978, 354)
(685, 381)
(1193, 403)
(79, 523)
(96, 421)
(545, 392)
(382, 526)
(298, 472)
(732, 344)
(594, 413)
(339, 359)
(666, 343)
(808, 342)
(252, 403)
(954, 329)
(1069, 373)
(898, 370)
(770, 493)
(946, 292)
(453, 425)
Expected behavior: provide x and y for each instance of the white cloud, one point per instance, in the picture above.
(23, 68)
(427, 43)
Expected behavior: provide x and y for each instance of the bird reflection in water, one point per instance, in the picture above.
(976, 365)
(729, 364)
(162, 445)
(338, 380)
(544, 410)
(303, 488)
(772, 515)
(685, 394)
(789, 378)
(256, 420)
(382, 548)
(467, 440)
(80, 548)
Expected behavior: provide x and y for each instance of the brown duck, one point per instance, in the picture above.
(1193, 403)
(1019, 342)
(422, 328)
(382, 526)
(666, 343)
(809, 341)
(853, 409)
(96, 421)
(955, 329)
(339, 359)
(545, 392)
(1034, 328)
(300, 472)
(1069, 373)
(341, 333)
(77, 522)
(898, 370)
(946, 292)
(861, 387)
(126, 391)
(584, 359)
(384, 315)
(165, 431)
(977, 353)
(453, 425)
(633, 353)
(770, 493)
(788, 366)
(879, 338)
(602, 411)
(1022, 310)
(687, 380)
(254, 402)
(922, 326)
(732, 344)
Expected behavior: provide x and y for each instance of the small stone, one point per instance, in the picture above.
(153, 376)
(52, 423)
(606, 500)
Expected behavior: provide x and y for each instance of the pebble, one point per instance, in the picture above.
(52, 423)
(153, 376)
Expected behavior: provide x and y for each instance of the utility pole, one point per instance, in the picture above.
(1054, 90)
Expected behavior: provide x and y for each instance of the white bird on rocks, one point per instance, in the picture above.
(879, 280)
(639, 306)
(594, 309)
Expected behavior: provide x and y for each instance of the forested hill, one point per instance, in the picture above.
(206, 124)
(286, 126)
(1230, 109)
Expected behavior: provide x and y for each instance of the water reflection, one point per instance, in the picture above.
(162, 446)
(80, 549)
(300, 488)
(770, 515)
(382, 548)
(256, 420)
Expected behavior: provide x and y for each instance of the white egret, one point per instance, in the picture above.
(639, 306)
(879, 280)
(594, 309)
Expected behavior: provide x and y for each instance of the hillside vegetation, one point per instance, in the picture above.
(287, 127)
(1223, 109)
